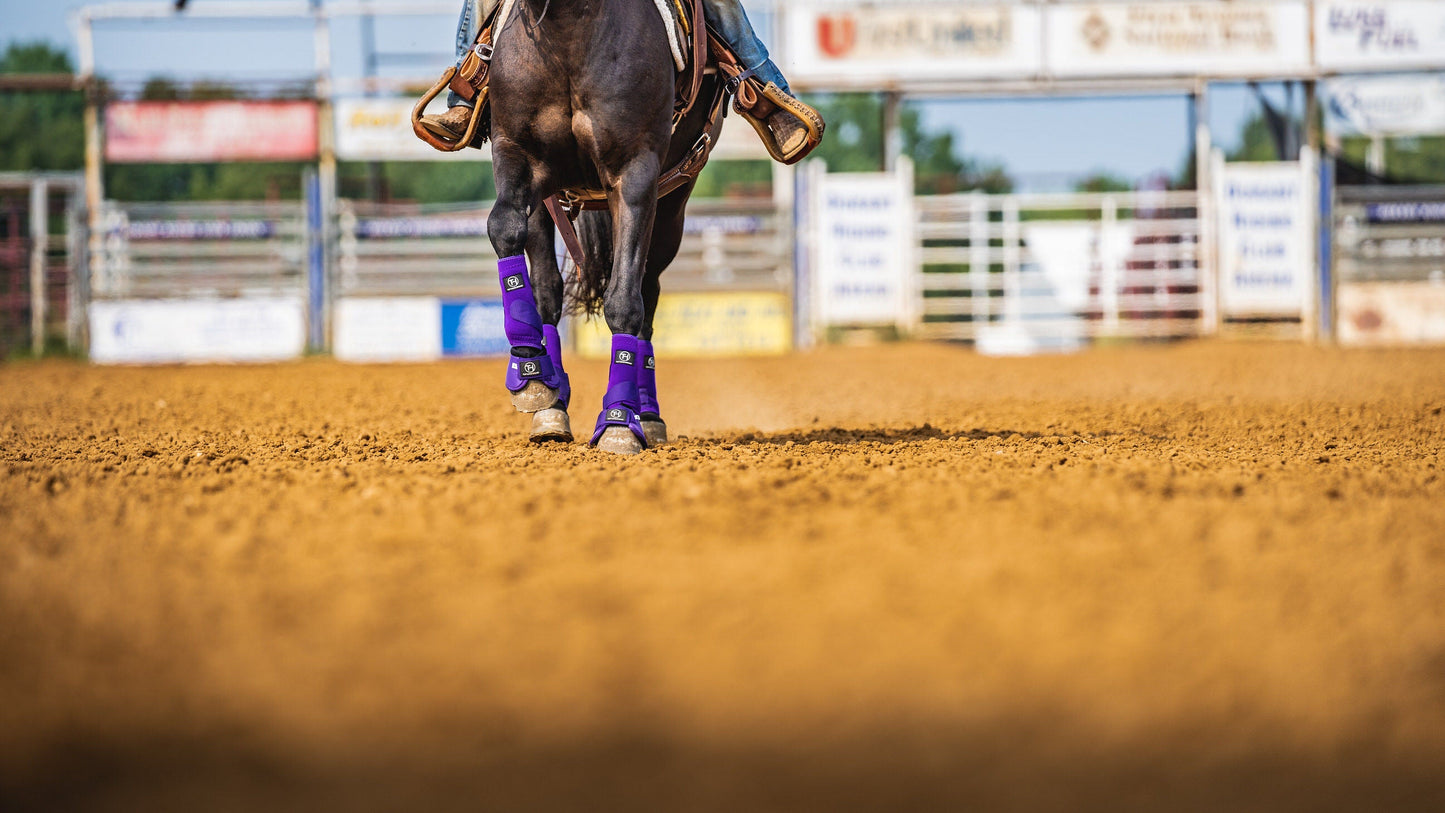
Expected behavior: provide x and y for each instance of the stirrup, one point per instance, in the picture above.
(479, 111)
(772, 100)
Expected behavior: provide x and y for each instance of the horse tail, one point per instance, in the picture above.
(588, 287)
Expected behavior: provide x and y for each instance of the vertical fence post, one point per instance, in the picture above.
(1012, 261)
(1327, 246)
(978, 258)
(39, 249)
(315, 266)
(1109, 272)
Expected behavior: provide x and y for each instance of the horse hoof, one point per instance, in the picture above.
(619, 440)
(551, 425)
(656, 432)
(534, 397)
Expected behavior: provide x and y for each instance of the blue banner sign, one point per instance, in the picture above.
(201, 230)
(1432, 211)
(422, 227)
(473, 328)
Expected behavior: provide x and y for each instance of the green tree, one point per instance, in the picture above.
(1100, 181)
(854, 143)
(40, 130)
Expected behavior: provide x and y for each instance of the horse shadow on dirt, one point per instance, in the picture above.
(844, 436)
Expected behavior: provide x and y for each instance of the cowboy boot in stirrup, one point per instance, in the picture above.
(451, 125)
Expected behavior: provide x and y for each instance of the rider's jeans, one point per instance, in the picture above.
(727, 16)
(731, 22)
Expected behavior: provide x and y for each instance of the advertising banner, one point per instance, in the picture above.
(1386, 105)
(197, 330)
(474, 327)
(1266, 227)
(875, 43)
(745, 323)
(1178, 39)
(864, 269)
(1392, 313)
(1379, 34)
(380, 130)
(376, 329)
(180, 132)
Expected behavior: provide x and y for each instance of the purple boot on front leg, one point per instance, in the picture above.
(619, 428)
(533, 380)
(651, 413)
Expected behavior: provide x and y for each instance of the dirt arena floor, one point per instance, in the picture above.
(1207, 577)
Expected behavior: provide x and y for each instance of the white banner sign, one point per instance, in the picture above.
(380, 130)
(197, 330)
(873, 43)
(1266, 226)
(1384, 34)
(1178, 39)
(1386, 105)
(864, 265)
(377, 329)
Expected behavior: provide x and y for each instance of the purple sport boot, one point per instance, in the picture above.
(619, 428)
(651, 413)
(535, 381)
(553, 342)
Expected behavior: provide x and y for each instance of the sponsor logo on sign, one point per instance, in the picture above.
(1096, 31)
(837, 35)
(624, 357)
(514, 282)
(616, 414)
(1373, 27)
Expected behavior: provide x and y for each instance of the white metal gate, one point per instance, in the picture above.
(1061, 268)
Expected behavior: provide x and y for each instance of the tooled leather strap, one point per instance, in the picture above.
(562, 219)
(699, 60)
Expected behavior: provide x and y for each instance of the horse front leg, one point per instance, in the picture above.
(531, 378)
(552, 423)
(632, 197)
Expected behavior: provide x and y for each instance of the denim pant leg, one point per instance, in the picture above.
(468, 27)
(731, 22)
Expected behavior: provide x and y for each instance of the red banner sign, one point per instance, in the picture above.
(181, 132)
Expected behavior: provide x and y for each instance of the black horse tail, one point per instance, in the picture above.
(587, 288)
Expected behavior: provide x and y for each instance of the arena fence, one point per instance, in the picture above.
(1057, 269)
(419, 282)
(42, 262)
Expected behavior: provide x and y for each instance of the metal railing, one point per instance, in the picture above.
(164, 251)
(1077, 265)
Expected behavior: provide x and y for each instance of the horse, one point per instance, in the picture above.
(582, 95)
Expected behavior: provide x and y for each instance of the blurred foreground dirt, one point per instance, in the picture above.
(1204, 577)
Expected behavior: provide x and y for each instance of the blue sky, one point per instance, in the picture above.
(1132, 137)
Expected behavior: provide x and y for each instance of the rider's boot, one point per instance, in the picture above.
(451, 125)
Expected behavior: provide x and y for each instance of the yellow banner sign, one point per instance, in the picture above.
(753, 323)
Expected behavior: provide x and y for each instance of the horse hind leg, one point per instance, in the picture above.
(552, 423)
(651, 412)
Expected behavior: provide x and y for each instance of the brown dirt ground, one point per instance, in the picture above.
(1197, 577)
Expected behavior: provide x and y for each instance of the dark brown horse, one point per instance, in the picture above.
(583, 98)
